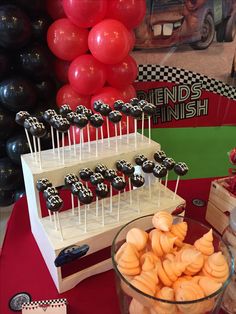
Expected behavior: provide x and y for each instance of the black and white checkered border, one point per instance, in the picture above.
(153, 73)
(44, 302)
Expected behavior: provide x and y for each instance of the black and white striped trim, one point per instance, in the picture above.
(152, 73)
(44, 303)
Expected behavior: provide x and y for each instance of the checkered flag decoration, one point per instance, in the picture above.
(45, 304)
(152, 73)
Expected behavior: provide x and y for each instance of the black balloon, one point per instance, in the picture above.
(40, 26)
(16, 146)
(15, 27)
(10, 175)
(6, 198)
(18, 194)
(4, 64)
(33, 7)
(7, 124)
(2, 149)
(46, 89)
(34, 60)
(17, 93)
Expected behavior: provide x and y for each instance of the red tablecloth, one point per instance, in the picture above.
(22, 267)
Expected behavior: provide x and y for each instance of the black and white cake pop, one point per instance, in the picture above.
(160, 171)
(71, 117)
(42, 184)
(148, 166)
(76, 187)
(101, 190)
(85, 196)
(180, 168)
(136, 112)
(88, 112)
(85, 174)
(119, 164)
(28, 122)
(105, 110)
(139, 159)
(80, 120)
(70, 178)
(115, 116)
(97, 104)
(149, 109)
(137, 180)
(127, 169)
(159, 156)
(169, 163)
(38, 129)
(118, 183)
(62, 125)
(64, 110)
(48, 114)
(110, 174)
(80, 109)
(142, 103)
(126, 108)
(54, 203)
(51, 190)
(100, 168)
(118, 104)
(21, 116)
(96, 178)
(134, 101)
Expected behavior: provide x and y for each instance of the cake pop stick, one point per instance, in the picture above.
(20, 118)
(135, 112)
(159, 156)
(52, 122)
(181, 169)
(88, 113)
(54, 203)
(105, 110)
(47, 115)
(41, 185)
(86, 198)
(115, 117)
(119, 184)
(102, 192)
(137, 181)
(109, 175)
(80, 121)
(75, 189)
(126, 108)
(141, 104)
(71, 118)
(159, 171)
(148, 167)
(169, 163)
(38, 130)
(95, 179)
(62, 125)
(28, 122)
(128, 170)
(149, 110)
(96, 120)
(69, 180)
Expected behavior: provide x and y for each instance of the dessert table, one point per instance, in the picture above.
(22, 268)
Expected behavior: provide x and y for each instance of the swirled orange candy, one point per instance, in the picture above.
(180, 280)
(128, 261)
(161, 243)
(148, 261)
(193, 258)
(146, 282)
(189, 291)
(137, 237)
(205, 244)
(161, 307)
(168, 272)
(179, 231)
(137, 307)
(162, 220)
(216, 267)
(209, 285)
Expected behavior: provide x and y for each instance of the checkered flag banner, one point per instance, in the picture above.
(152, 73)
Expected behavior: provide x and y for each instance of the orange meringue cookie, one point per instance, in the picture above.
(148, 261)
(161, 307)
(189, 291)
(137, 237)
(128, 261)
(181, 279)
(179, 230)
(209, 285)
(193, 258)
(205, 244)
(136, 307)
(161, 243)
(216, 267)
(162, 220)
(168, 272)
(146, 282)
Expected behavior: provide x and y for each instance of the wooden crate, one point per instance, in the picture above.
(220, 204)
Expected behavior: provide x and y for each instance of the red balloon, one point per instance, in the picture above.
(66, 95)
(85, 13)
(109, 41)
(128, 12)
(87, 75)
(55, 9)
(132, 39)
(123, 73)
(66, 40)
(108, 95)
(128, 93)
(61, 70)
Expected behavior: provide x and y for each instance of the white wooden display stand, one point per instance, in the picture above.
(97, 236)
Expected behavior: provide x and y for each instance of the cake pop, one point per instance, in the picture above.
(134, 101)
(102, 192)
(47, 115)
(118, 105)
(80, 121)
(115, 117)
(126, 108)
(119, 164)
(69, 180)
(54, 203)
(149, 110)
(20, 118)
(96, 120)
(137, 181)
(42, 184)
(139, 159)
(159, 156)
(119, 184)
(109, 175)
(136, 113)
(64, 110)
(97, 104)
(85, 197)
(80, 109)
(85, 175)
(51, 190)
(169, 163)
(148, 167)
(96, 178)
(100, 168)
(181, 169)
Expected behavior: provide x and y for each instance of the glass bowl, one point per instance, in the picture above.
(134, 301)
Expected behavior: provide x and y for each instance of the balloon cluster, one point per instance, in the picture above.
(92, 41)
(26, 83)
